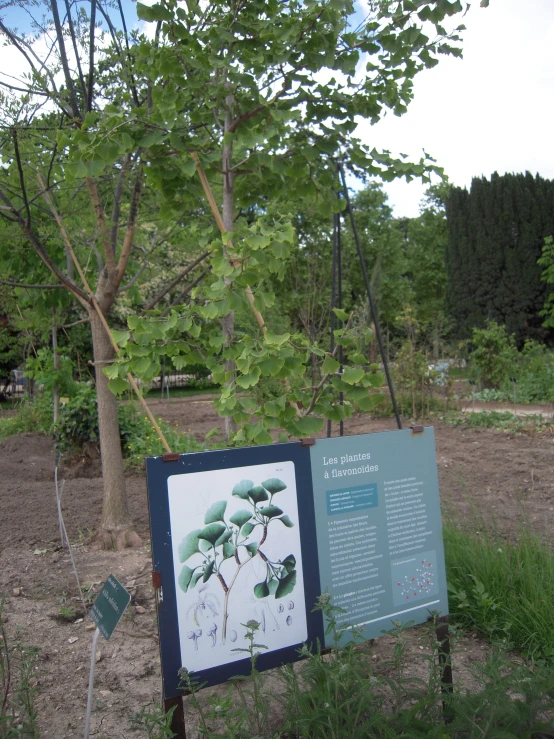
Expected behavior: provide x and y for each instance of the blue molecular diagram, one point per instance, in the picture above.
(414, 578)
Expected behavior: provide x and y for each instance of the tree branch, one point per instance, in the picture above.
(130, 230)
(63, 56)
(90, 86)
(116, 210)
(187, 290)
(32, 287)
(39, 249)
(21, 177)
(176, 280)
(101, 220)
(75, 49)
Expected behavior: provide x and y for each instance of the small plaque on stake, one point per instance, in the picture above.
(109, 606)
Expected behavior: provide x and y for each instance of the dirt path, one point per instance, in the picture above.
(482, 472)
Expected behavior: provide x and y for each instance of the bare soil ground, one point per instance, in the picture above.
(504, 477)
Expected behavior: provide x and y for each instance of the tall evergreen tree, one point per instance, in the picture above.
(495, 236)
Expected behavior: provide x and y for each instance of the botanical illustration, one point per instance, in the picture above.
(237, 558)
(227, 543)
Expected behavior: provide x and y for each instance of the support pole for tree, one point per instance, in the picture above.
(101, 316)
(56, 362)
(369, 296)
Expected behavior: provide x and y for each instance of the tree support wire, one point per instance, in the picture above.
(336, 302)
(369, 296)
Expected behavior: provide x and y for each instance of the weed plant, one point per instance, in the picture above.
(502, 588)
(334, 694)
(18, 717)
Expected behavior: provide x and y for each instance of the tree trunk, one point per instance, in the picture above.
(115, 529)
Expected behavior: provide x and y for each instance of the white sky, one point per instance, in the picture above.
(491, 111)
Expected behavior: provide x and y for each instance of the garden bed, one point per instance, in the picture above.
(504, 477)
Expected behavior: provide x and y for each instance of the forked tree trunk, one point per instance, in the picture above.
(115, 529)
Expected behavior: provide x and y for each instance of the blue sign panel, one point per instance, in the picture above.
(380, 541)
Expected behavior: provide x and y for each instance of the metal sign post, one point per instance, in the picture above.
(106, 612)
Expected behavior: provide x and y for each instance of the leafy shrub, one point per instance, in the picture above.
(33, 415)
(78, 425)
(78, 421)
(493, 357)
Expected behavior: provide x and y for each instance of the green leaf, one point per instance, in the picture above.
(118, 385)
(371, 402)
(215, 512)
(342, 315)
(185, 576)
(352, 375)
(309, 425)
(286, 584)
(270, 511)
(224, 538)
(261, 590)
(188, 167)
(242, 489)
(289, 563)
(274, 485)
(286, 521)
(229, 550)
(272, 586)
(252, 549)
(249, 380)
(330, 366)
(240, 518)
(208, 571)
(247, 529)
(271, 366)
(197, 575)
(188, 546)
(376, 379)
(153, 12)
(275, 339)
(212, 532)
(258, 494)
(76, 170)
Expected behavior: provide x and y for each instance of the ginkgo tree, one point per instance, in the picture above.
(81, 86)
(260, 99)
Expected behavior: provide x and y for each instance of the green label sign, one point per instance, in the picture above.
(109, 606)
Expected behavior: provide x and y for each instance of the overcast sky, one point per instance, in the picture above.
(491, 111)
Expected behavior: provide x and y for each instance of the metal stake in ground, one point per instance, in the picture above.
(369, 296)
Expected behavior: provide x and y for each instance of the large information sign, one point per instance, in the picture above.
(257, 534)
(378, 527)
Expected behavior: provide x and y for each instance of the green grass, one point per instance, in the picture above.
(502, 588)
(493, 419)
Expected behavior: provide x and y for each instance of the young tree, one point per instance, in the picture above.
(265, 100)
(74, 177)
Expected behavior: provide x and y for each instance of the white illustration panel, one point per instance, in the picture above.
(236, 548)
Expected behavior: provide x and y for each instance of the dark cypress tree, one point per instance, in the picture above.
(495, 236)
